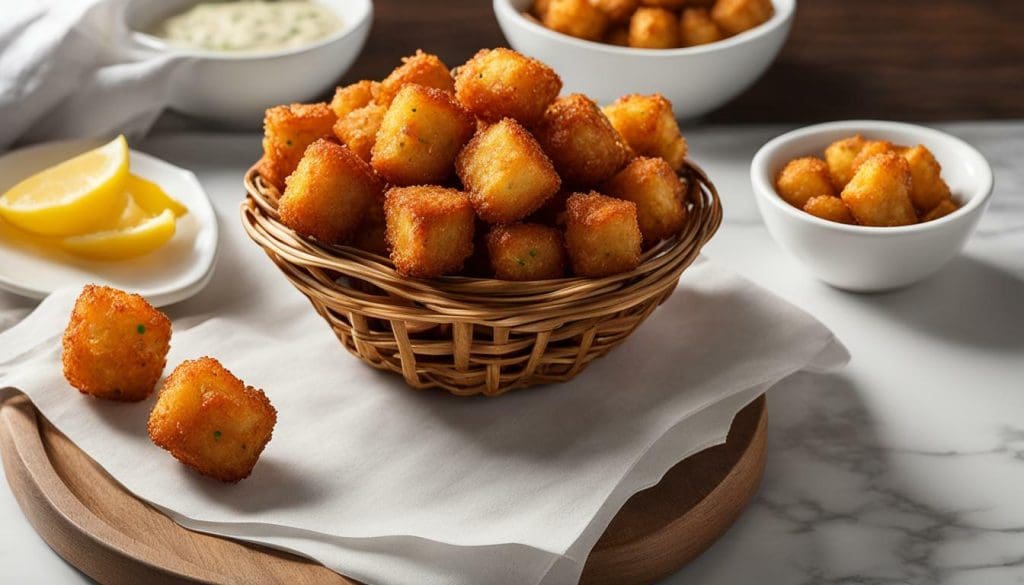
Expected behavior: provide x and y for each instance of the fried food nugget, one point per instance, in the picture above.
(927, 190)
(501, 83)
(576, 18)
(653, 28)
(328, 195)
(943, 209)
(656, 190)
(115, 345)
(540, 8)
(667, 4)
(840, 156)
(696, 27)
(211, 421)
(617, 11)
(648, 125)
(879, 192)
(423, 69)
(506, 172)
(552, 212)
(618, 35)
(420, 135)
(429, 230)
(870, 149)
(371, 233)
(830, 208)
(526, 251)
(803, 178)
(354, 96)
(358, 129)
(478, 264)
(736, 16)
(584, 146)
(287, 131)
(602, 234)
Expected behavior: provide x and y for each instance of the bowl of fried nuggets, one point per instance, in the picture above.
(869, 205)
(698, 53)
(472, 229)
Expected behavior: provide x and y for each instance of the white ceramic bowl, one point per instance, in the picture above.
(695, 79)
(236, 88)
(870, 259)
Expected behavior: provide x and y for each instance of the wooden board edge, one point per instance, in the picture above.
(63, 522)
(671, 548)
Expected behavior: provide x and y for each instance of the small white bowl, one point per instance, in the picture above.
(236, 88)
(872, 259)
(695, 79)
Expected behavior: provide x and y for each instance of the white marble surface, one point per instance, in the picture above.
(907, 467)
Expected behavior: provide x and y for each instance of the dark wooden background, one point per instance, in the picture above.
(893, 59)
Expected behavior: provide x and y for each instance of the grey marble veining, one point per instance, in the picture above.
(838, 434)
(837, 505)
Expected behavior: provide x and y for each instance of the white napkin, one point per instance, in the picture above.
(390, 485)
(66, 71)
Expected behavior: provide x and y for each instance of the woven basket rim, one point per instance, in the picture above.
(466, 292)
(472, 335)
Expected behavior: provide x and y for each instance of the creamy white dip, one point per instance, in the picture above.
(249, 25)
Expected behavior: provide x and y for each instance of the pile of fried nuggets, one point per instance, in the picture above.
(652, 24)
(115, 348)
(487, 165)
(411, 167)
(868, 182)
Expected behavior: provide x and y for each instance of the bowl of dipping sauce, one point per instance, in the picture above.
(696, 79)
(240, 57)
(883, 256)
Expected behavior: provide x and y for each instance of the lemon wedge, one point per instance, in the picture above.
(152, 198)
(140, 200)
(126, 241)
(72, 197)
(126, 213)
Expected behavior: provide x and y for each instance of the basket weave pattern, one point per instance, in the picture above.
(475, 335)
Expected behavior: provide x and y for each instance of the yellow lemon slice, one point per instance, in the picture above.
(129, 214)
(125, 242)
(140, 200)
(72, 197)
(152, 198)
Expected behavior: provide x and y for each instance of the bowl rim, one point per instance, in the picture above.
(148, 42)
(761, 181)
(784, 10)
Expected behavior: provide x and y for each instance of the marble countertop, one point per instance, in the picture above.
(905, 467)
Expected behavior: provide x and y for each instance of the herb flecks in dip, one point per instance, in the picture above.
(249, 26)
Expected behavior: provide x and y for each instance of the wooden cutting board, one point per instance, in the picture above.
(113, 537)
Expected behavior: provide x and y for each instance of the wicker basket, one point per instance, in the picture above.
(472, 335)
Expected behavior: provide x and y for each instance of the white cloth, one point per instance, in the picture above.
(390, 485)
(67, 70)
